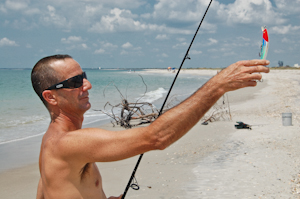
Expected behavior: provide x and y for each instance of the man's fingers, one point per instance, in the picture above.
(251, 83)
(253, 77)
(256, 69)
(255, 62)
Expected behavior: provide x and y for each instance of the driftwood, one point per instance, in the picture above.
(132, 113)
(138, 113)
(219, 112)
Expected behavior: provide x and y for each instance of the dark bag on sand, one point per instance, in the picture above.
(242, 125)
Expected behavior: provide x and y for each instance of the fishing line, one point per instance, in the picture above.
(135, 185)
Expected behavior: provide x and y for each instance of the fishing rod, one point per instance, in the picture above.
(186, 56)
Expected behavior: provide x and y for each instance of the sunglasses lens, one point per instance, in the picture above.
(75, 82)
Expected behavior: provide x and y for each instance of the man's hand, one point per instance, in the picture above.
(241, 74)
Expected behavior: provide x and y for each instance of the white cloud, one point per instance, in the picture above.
(213, 50)
(178, 10)
(212, 41)
(225, 48)
(101, 17)
(164, 55)
(181, 39)
(279, 51)
(23, 24)
(6, 42)
(227, 54)
(137, 48)
(117, 20)
(123, 52)
(244, 39)
(289, 29)
(106, 48)
(52, 18)
(129, 49)
(180, 45)
(99, 51)
(71, 39)
(288, 5)
(92, 10)
(32, 11)
(124, 21)
(195, 52)
(127, 45)
(109, 45)
(74, 42)
(20, 6)
(81, 46)
(286, 40)
(247, 12)
(16, 4)
(120, 3)
(146, 15)
(162, 37)
(2, 8)
(109, 16)
(84, 46)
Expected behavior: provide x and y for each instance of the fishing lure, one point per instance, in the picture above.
(265, 43)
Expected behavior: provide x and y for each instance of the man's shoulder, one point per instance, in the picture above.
(62, 148)
(56, 141)
(67, 142)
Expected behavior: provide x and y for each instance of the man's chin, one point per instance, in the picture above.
(86, 107)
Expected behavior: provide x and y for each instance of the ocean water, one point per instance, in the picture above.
(22, 114)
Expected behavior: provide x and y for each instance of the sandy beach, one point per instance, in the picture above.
(214, 161)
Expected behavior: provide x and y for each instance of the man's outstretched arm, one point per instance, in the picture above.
(183, 117)
(98, 145)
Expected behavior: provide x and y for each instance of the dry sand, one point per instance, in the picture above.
(213, 161)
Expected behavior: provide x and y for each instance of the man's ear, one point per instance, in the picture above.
(50, 97)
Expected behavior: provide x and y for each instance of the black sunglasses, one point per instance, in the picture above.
(73, 82)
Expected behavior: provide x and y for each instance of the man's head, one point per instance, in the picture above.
(43, 75)
(59, 80)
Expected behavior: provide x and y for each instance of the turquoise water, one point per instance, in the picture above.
(22, 114)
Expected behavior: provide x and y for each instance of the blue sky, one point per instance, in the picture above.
(147, 34)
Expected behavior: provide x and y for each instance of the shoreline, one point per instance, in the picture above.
(213, 161)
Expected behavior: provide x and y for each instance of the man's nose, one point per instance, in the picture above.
(86, 85)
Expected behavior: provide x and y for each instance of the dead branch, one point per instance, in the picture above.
(142, 112)
(130, 114)
(219, 112)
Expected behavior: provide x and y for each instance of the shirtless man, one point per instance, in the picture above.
(68, 153)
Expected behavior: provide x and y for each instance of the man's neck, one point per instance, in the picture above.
(68, 122)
